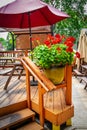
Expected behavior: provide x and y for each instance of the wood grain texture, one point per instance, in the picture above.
(14, 118)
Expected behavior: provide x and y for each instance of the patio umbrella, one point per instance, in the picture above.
(5, 2)
(29, 13)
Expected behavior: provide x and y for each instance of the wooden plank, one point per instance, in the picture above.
(55, 100)
(31, 126)
(41, 105)
(28, 87)
(11, 93)
(14, 118)
(14, 82)
(59, 117)
(56, 117)
(34, 92)
(16, 87)
(19, 94)
(3, 92)
(69, 85)
(13, 107)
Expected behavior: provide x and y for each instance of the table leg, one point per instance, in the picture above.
(9, 78)
(20, 74)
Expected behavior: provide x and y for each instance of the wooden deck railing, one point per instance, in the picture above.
(45, 85)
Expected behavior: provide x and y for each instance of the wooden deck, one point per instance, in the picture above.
(51, 102)
(54, 101)
(15, 92)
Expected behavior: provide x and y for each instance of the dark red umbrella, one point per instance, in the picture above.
(29, 13)
(16, 14)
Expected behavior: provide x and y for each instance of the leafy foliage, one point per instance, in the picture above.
(11, 41)
(77, 21)
(56, 51)
(3, 42)
(8, 42)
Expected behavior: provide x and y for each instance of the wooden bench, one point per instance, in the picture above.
(84, 78)
(84, 69)
(77, 73)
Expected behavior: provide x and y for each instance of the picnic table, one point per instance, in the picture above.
(17, 65)
(9, 63)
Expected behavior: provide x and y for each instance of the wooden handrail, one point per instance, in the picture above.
(38, 74)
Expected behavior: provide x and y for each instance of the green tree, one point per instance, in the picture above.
(11, 41)
(78, 19)
(3, 42)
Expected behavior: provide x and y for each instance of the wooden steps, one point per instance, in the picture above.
(31, 126)
(12, 119)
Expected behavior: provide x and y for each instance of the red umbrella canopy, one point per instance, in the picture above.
(29, 13)
(5, 2)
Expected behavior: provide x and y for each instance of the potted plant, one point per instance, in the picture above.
(56, 52)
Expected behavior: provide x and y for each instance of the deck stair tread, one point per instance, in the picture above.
(16, 117)
(31, 126)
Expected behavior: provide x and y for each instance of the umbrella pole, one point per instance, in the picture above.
(29, 23)
(52, 27)
(33, 82)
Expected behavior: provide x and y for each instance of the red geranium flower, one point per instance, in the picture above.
(77, 54)
(47, 42)
(69, 49)
(72, 39)
(69, 43)
(58, 38)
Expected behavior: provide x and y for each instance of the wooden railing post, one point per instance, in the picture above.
(28, 87)
(69, 85)
(41, 105)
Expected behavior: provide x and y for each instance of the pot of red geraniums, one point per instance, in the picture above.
(54, 54)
